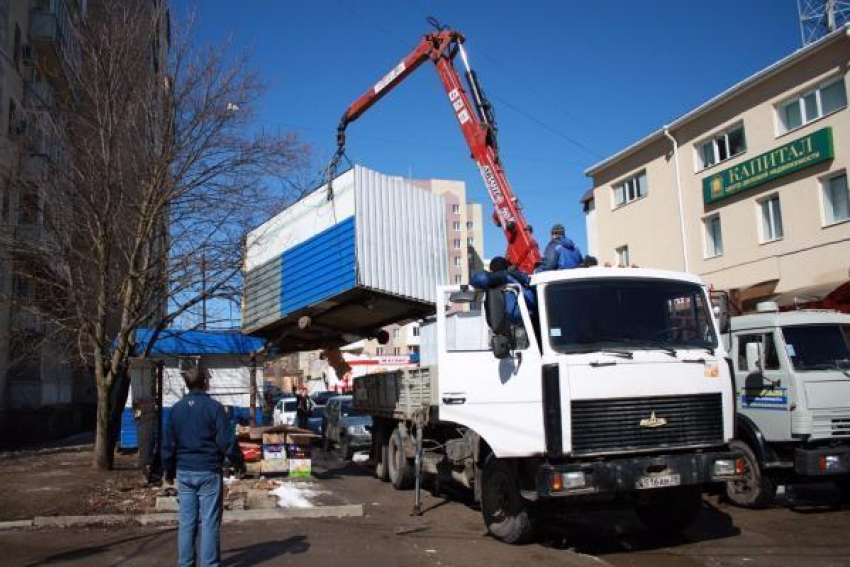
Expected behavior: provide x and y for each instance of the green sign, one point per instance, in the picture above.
(791, 157)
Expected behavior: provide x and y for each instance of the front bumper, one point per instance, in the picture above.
(822, 461)
(626, 474)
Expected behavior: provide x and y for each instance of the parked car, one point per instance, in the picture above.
(345, 426)
(316, 418)
(285, 411)
(321, 398)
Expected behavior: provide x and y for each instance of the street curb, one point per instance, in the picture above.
(230, 517)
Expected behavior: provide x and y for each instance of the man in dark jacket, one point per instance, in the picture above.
(198, 438)
(561, 252)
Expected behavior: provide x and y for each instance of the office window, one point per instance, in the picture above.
(457, 260)
(713, 237)
(630, 189)
(836, 199)
(723, 146)
(456, 226)
(771, 219)
(456, 209)
(457, 243)
(813, 105)
(623, 256)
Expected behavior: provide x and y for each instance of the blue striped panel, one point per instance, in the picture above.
(318, 268)
(129, 436)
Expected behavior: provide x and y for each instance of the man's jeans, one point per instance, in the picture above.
(201, 497)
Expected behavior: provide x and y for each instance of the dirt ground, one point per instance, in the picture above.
(449, 533)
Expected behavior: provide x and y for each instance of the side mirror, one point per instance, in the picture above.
(501, 346)
(496, 311)
(755, 358)
(720, 307)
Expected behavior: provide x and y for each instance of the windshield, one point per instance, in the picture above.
(348, 409)
(818, 347)
(587, 316)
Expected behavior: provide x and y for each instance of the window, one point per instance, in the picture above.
(623, 256)
(396, 351)
(16, 49)
(457, 243)
(723, 146)
(457, 260)
(713, 237)
(470, 241)
(456, 226)
(456, 209)
(413, 349)
(28, 209)
(771, 358)
(469, 225)
(379, 351)
(813, 105)
(629, 190)
(836, 199)
(396, 333)
(416, 330)
(13, 111)
(771, 219)
(458, 279)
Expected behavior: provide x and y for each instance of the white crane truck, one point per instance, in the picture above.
(610, 385)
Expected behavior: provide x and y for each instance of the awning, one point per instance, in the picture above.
(813, 294)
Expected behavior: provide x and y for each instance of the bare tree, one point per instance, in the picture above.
(159, 173)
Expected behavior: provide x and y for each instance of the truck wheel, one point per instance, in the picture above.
(380, 450)
(400, 471)
(755, 489)
(506, 514)
(669, 510)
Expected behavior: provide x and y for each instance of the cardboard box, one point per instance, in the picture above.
(300, 467)
(298, 451)
(274, 466)
(274, 439)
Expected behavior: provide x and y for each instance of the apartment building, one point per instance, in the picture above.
(465, 244)
(40, 49)
(749, 190)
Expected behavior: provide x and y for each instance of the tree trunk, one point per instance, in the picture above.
(103, 457)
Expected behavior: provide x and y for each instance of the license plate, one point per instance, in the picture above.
(659, 481)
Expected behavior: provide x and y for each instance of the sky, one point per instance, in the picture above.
(572, 82)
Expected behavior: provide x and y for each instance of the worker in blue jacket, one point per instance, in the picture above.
(197, 439)
(561, 253)
(501, 274)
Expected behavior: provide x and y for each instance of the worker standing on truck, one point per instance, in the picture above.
(561, 252)
(198, 438)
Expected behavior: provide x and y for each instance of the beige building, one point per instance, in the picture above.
(465, 244)
(748, 191)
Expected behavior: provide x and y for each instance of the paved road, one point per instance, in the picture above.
(451, 533)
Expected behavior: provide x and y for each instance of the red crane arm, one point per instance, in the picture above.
(479, 130)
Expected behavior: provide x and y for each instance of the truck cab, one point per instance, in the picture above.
(792, 382)
(592, 384)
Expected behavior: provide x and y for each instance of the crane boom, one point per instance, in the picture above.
(476, 119)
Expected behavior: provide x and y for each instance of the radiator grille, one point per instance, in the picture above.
(611, 425)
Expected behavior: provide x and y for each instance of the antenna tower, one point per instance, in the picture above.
(820, 17)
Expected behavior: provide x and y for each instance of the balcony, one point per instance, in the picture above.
(51, 31)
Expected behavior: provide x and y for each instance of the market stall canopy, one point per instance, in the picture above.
(196, 342)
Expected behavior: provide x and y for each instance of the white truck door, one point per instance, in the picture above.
(763, 395)
(498, 399)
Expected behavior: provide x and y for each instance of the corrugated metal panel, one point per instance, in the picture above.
(318, 268)
(401, 236)
(129, 438)
(261, 305)
(301, 221)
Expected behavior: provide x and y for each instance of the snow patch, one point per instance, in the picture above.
(295, 495)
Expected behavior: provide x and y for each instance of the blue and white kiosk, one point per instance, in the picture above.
(227, 356)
